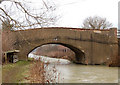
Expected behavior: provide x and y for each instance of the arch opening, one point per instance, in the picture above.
(60, 50)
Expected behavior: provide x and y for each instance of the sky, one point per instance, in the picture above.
(73, 12)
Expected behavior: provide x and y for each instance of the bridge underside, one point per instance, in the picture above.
(79, 55)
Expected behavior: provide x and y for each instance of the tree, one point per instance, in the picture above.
(96, 22)
(6, 25)
(21, 15)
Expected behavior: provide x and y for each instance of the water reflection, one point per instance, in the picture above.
(75, 73)
(48, 59)
(87, 74)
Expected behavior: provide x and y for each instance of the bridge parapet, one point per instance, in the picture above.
(83, 34)
(105, 36)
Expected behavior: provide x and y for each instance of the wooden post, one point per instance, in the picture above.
(5, 57)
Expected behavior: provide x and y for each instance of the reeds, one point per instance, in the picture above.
(41, 72)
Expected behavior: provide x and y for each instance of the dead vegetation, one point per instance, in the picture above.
(41, 73)
(29, 17)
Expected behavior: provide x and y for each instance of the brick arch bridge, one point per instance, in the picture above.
(90, 46)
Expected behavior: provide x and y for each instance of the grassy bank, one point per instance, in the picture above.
(16, 72)
(28, 72)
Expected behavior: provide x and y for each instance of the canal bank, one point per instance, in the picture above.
(71, 73)
(16, 72)
(68, 73)
(76, 73)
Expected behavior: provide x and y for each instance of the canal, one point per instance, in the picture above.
(75, 73)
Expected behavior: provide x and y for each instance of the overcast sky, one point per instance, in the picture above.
(73, 12)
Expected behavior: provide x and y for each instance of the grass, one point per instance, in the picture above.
(15, 72)
(28, 72)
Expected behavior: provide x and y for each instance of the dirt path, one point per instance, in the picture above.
(15, 73)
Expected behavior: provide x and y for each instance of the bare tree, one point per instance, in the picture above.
(6, 25)
(21, 14)
(96, 22)
(27, 17)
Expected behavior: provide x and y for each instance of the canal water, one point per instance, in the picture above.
(74, 73)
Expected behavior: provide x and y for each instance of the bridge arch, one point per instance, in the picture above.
(79, 54)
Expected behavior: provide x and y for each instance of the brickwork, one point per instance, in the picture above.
(90, 46)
